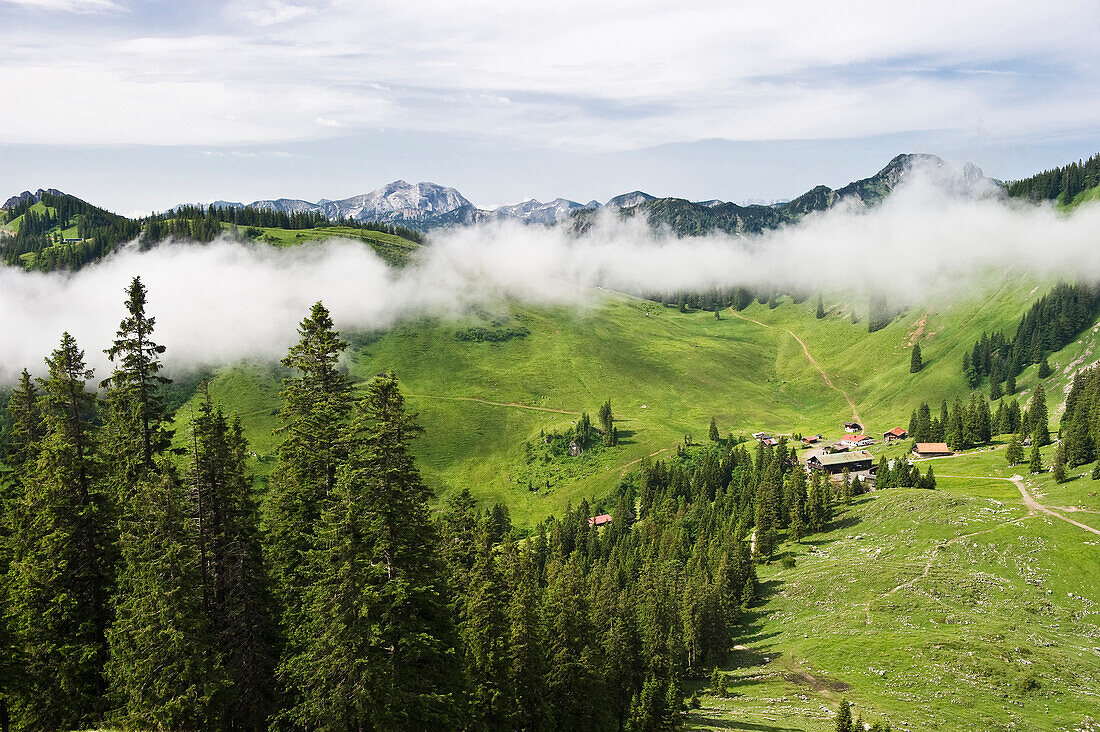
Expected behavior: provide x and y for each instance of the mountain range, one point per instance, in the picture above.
(429, 206)
(426, 206)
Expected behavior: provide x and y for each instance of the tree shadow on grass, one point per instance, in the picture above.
(626, 436)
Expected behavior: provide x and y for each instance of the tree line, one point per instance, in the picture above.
(973, 423)
(1051, 323)
(1059, 184)
(203, 219)
(146, 584)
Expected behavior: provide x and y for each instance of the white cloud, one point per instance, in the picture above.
(606, 76)
(224, 302)
(70, 6)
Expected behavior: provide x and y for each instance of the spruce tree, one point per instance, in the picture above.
(1014, 453)
(165, 670)
(915, 363)
(235, 587)
(1044, 368)
(483, 631)
(995, 391)
(573, 679)
(713, 432)
(1037, 411)
(1035, 464)
(1010, 383)
(21, 448)
(606, 418)
(317, 402)
(375, 644)
(844, 717)
(20, 454)
(136, 429)
(1095, 474)
(1059, 468)
(527, 662)
(820, 308)
(61, 580)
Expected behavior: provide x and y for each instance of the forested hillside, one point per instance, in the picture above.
(53, 231)
(154, 588)
(1067, 184)
(61, 232)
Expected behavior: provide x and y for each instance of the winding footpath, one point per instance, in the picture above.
(1033, 505)
(813, 361)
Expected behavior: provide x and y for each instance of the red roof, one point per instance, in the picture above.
(897, 432)
(603, 518)
(854, 438)
(932, 447)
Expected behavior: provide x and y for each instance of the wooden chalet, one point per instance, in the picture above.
(603, 518)
(853, 427)
(895, 434)
(931, 449)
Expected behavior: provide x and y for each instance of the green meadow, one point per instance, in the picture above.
(666, 373)
(952, 609)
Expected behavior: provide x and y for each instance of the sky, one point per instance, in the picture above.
(138, 105)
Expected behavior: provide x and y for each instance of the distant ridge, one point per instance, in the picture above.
(426, 206)
(28, 197)
(687, 218)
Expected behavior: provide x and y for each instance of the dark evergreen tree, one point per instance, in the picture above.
(1014, 453)
(844, 717)
(915, 362)
(1035, 464)
(1059, 466)
(713, 431)
(165, 671)
(606, 418)
(234, 585)
(21, 450)
(317, 402)
(527, 662)
(1037, 411)
(375, 647)
(483, 631)
(136, 429)
(820, 308)
(60, 581)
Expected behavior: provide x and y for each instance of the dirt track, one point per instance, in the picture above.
(813, 361)
(513, 405)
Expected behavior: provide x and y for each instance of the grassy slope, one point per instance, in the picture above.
(666, 374)
(1012, 597)
(14, 224)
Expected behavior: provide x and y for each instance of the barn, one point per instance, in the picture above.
(855, 462)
